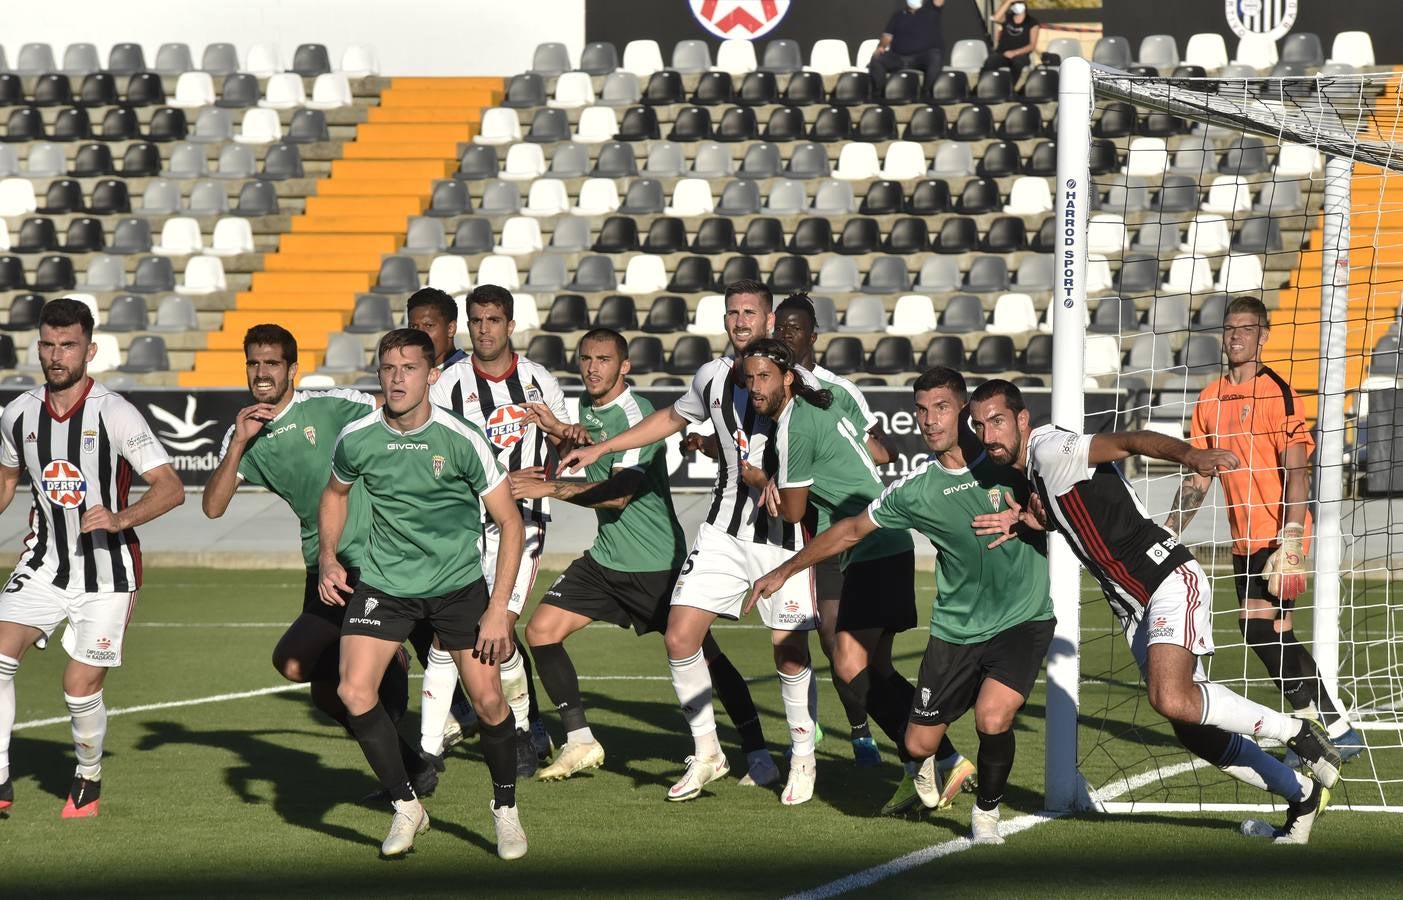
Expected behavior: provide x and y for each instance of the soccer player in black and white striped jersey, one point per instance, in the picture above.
(739, 542)
(80, 444)
(491, 388)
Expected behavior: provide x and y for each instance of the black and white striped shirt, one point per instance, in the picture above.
(497, 405)
(76, 462)
(743, 434)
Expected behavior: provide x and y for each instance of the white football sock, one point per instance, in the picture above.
(89, 720)
(1252, 765)
(691, 679)
(515, 689)
(440, 678)
(1233, 712)
(794, 689)
(579, 736)
(813, 697)
(8, 667)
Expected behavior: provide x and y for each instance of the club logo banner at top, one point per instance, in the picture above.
(740, 19)
(1272, 18)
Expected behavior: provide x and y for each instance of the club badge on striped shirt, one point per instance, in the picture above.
(90, 442)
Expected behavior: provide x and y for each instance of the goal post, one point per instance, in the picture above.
(1169, 204)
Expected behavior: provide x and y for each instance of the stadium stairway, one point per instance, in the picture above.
(358, 215)
(1376, 274)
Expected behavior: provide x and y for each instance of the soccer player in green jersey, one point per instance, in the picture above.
(627, 576)
(992, 619)
(282, 442)
(857, 637)
(427, 473)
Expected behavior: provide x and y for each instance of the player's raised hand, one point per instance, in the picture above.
(540, 415)
(251, 420)
(764, 589)
(1004, 523)
(494, 637)
(333, 583)
(581, 457)
(99, 518)
(1210, 462)
(529, 483)
(706, 443)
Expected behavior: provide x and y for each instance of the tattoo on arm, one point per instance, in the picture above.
(1186, 504)
(612, 494)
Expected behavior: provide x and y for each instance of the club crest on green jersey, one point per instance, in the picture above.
(438, 466)
(996, 496)
(310, 433)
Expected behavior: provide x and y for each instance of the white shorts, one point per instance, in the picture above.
(97, 623)
(719, 572)
(530, 560)
(1180, 612)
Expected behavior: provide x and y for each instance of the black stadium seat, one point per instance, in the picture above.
(715, 235)
(1005, 235)
(1022, 122)
(951, 87)
(737, 124)
(882, 198)
(739, 268)
(958, 234)
(805, 89)
(689, 354)
(786, 123)
(927, 123)
(639, 123)
(843, 355)
(547, 350)
(975, 123)
(999, 161)
(667, 314)
(994, 353)
(812, 236)
(645, 352)
(980, 195)
(893, 354)
(763, 235)
(833, 123)
(693, 275)
(860, 235)
(903, 87)
(618, 234)
(791, 273)
(930, 196)
(908, 235)
(878, 123)
(568, 312)
(618, 312)
(664, 88)
(693, 123)
(944, 350)
(852, 89)
(714, 89)
(666, 235)
(758, 89)
(994, 86)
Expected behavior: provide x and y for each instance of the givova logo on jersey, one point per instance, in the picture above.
(63, 483)
(506, 426)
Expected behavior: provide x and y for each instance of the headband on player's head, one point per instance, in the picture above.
(775, 351)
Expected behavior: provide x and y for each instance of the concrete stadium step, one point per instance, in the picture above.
(359, 213)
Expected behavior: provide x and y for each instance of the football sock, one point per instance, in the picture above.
(499, 752)
(1243, 760)
(734, 694)
(88, 716)
(562, 685)
(994, 764)
(1232, 712)
(533, 710)
(8, 667)
(854, 707)
(514, 681)
(380, 744)
(794, 689)
(884, 708)
(692, 682)
(813, 696)
(1293, 669)
(435, 699)
(394, 687)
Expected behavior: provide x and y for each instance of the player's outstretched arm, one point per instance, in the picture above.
(494, 631)
(843, 535)
(165, 493)
(1186, 503)
(219, 490)
(613, 493)
(331, 522)
(1119, 445)
(657, 426)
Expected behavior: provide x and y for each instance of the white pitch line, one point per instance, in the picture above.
(869, 877)
(173, 704)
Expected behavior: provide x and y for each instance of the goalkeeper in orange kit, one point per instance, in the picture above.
(1254, 413)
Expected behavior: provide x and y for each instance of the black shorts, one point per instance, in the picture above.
(454, 615)
(640, 600)
(828, 580)
(879, 593)
(312, 604)
(951, 674)
(1249, 582)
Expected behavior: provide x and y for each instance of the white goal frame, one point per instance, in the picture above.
(1066, 789)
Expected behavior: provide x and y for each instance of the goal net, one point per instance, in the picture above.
(1176, 196)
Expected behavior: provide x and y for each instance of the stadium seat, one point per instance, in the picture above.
(331, 90)
(618, 313)
(146, 353)
(597, 197)
(1037, 355)
(71, 124)
(129, 236)
(1188, 274)
(809, 161)
(1102, 355)
(739, 198)
(876, 125)
(968, 56)
(693, 123)
(236, 162)
(84, 235)
(1138, 276)
(958, 234)
(259, 126)
(499, 126)
(1112, 50)
(154, 274)
(761, 160)
(692, 275)
(568, 161)
(1258, 235)
(524, 162)
(838, 274)
(804, 89)
(644, 275)
(782, 56)
(1118, 119)
(571, 235)
(843, 355)
(52, 89)
(167, 124)
(1000, 160)
(994, 353)
(892, 355)
(281, 162)
(851, 89)
(905, 161)
(945, 351)
(882, 198)
(787, 197)
(712, 160)
(180, 236)
(620, 89)
(1146, 157)
(1041, 85)
(1177, 193)
(126, 313)
(1160, 51)
(715, 235)
(549, 126)
(1045, 237)
(593, 274)
(980, 195)
(239, 90)
(790, 274)
(1206, 49)
(547, 274)
(666, 235)
(1354, 47)
(615, 160)
(907, 235)
(763, 235)
(689, 354)
(644, 196)
(833, 197)
(500, 270)
(710, 317)
(714, 89)
(45, 160)
(1041, 162)
(758, 89)
(1106, 234)
(645, 353)
(1240, 273)
(902, 88)
(63, 196)
(568, 312)
(1065, 48)
(232, 236)
(597, 125)
(1005, 235)
(54, 273)
(203, 275)
(1256, 50)
(952, 159)
(573, 90)
(738, 123)
(212, 126)
(1168, 315)
(914, 314)
(449, 198)
(521, 236)
(1114, 316)
(1207, 235)
(938, 275)
(499, 198)
(642, 57)
(786, 123)
(987, 274)
(859, 236)
(1034, 273)
(398, 275)
(283, 91)
(857, 162)
(736, 57)
(1228, 195)
(1029, 196)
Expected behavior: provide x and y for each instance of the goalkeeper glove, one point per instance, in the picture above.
(1286, 568)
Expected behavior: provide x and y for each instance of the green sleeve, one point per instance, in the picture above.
(342, 467)
(893, 508)
(795, 448)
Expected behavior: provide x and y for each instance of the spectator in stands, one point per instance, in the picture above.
(911, 40)
(1017, 38)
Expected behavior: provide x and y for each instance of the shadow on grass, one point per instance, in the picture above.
(48, 762)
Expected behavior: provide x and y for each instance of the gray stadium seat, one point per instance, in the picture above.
(551, 59)
(593, 274)
(175, 313)
(372, 314)
(864, 314)
(424, 235)
(398, 275)
(146, 353)
(344, 353)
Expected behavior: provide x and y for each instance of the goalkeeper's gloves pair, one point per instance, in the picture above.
(1286, 568)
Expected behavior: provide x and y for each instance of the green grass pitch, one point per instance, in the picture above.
(258, 795)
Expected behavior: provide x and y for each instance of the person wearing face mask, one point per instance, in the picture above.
(911, 40)
(1017, 38)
